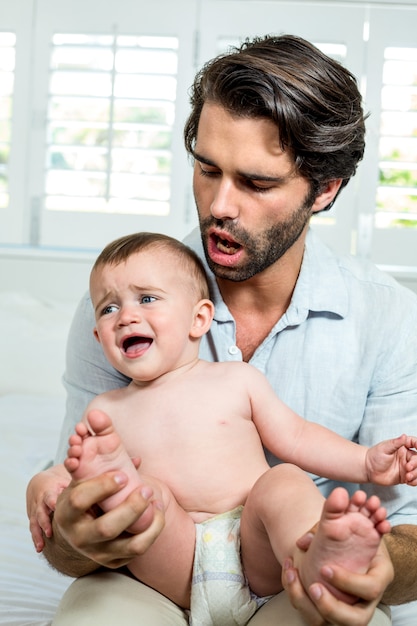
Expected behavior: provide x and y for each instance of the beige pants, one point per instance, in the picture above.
(109, 598)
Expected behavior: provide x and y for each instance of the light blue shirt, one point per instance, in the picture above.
(344, 355)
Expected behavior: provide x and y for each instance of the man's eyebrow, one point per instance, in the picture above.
(250, 175)
(201, 159)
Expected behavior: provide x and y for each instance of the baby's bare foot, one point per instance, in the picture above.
(348, 534)
(96, 448)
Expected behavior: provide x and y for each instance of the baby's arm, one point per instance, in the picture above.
(41, 496)
(321, 451)
(393, 462)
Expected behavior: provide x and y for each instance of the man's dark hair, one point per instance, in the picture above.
(313, 100)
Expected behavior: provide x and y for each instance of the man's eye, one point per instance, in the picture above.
(204, 172)
(147, 299)
(259, 188)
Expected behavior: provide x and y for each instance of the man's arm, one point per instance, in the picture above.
(402, 547)
(64, 558)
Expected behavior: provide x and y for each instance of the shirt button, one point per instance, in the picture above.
(233, 350)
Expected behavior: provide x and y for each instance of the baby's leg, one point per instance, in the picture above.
(167, 564)
(282, 506)
(96, 448)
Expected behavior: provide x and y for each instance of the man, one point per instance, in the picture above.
(276, 131)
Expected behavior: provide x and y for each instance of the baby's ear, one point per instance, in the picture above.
(203, 316)
(95, 333)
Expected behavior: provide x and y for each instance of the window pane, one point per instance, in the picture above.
(141, 137)
(3, 183)
(144, 111)
(110, 117)
(70, 109)
(86, 183)
(141, 162)
(7, 67)
(99, 205)
(71, 158)
(80, 84)
(82, 58)
(397, 190)
(5, 131)
(79, 133)
(146, 61)
(145, 86)
(140, 187)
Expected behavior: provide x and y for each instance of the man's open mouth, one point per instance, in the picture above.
(225, 245)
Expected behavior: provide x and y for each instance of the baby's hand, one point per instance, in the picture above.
(410, 451)
(41, 496)
(393, 462)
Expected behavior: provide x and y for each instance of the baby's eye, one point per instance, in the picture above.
(110, 308)
(147, 299)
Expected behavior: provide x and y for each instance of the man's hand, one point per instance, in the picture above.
(84, 538)
(318, 606)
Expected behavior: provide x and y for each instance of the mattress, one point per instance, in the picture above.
(29, 589)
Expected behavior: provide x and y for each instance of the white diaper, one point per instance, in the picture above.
(220, 595)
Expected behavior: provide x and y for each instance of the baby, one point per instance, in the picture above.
(199, 429)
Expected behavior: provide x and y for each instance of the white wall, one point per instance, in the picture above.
(59, 278)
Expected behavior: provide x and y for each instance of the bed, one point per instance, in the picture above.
(32, 346)
(32, 349)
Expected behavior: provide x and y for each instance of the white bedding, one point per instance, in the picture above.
(29, 589)
(33, 334)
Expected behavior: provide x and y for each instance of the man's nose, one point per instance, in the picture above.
(225, 204)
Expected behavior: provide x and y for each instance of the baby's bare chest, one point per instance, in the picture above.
(200, 456)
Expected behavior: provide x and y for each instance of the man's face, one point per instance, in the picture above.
(252, 204)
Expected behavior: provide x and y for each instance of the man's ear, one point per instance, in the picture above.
(327, 195)
(96, 335)
(202, 318)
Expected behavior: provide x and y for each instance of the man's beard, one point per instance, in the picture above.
(262, 250)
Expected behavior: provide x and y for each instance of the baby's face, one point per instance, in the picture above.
(144, 310)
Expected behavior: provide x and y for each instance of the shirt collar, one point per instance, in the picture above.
(320, 286)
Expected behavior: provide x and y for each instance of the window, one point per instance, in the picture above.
(110, 96)
(387, 216)
(7, 67)
(397, 189)
(110, 119)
